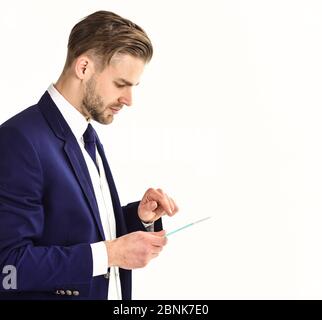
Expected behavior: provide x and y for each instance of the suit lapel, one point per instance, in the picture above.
(78, 163)
(73, 152)
(120, 224)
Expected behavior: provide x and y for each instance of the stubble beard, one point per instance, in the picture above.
(93, 104)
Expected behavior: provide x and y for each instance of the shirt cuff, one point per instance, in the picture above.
(100, 259)
(148, 226)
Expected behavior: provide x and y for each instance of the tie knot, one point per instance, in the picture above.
(90, 134)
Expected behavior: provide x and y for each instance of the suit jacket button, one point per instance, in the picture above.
(62, 292)
(75, 293)
(68, 292)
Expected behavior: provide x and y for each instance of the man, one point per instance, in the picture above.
(62, 227)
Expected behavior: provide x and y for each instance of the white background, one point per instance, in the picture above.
(227, 120)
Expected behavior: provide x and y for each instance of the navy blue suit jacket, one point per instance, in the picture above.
(48, 211)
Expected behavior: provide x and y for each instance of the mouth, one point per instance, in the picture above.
(115, 110)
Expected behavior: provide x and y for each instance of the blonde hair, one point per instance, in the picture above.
(103, 34)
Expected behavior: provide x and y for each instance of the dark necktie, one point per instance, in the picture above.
(90, 140)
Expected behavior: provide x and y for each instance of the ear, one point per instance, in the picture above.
(84, 67)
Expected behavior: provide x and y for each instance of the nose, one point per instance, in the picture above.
(126, 97)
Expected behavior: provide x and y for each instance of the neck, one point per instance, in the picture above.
(71, 89)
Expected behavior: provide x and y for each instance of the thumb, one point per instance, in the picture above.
(151, 205)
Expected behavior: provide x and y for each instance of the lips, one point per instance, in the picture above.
(115, 110)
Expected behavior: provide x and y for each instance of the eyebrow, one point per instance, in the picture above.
(128, 83)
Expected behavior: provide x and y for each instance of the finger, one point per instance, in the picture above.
(154, 196)
(156, 249)
(160, 233)
(174, 205)
(159, 211)
(151, 205)
(159, 242)
(161, 198)
(171, 203)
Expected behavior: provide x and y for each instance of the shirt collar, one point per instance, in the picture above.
(76, 121)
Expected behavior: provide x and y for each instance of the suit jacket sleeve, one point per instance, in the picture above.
(22, 221)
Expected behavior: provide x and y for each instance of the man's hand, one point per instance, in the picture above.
(135, 250)
(154, 204)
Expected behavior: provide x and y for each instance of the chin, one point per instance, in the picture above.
(109, 119)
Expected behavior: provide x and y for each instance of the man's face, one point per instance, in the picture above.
(108, 91)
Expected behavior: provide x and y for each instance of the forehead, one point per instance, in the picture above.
(125, 66)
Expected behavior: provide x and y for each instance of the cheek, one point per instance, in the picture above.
(108, 93)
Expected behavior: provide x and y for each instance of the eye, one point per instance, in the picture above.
(119, 85)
